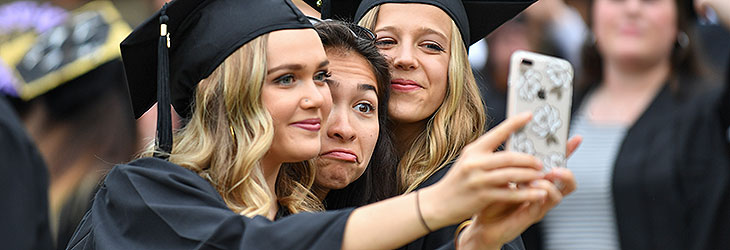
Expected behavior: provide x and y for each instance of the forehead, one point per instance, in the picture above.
(413, 16)
(294, 46)
(349, 69)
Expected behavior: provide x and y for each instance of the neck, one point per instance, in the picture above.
(320, 192)
(405, 134)
(620, 78)
(270, 168)
(626, 91)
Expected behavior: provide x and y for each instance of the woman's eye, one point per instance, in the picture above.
(364, 108)
(322, 76)
(384, 42)
(287, 79)
(434, 47)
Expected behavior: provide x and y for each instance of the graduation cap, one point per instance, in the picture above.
(475, 18)
(69, 46)
(167, 55)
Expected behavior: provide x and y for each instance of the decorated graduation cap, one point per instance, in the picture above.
(183, 43)
(475, 18)
(45, 47)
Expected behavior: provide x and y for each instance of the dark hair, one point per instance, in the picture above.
(379, 180)
(686, 64)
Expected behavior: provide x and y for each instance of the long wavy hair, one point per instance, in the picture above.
(458, 121)
(230, 131)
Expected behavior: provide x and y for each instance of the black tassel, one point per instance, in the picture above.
(164, 119)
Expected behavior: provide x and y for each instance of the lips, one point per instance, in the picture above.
(404, 85)
(308, 124)
(341, 154)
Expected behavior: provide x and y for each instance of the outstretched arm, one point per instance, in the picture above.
(475, 182)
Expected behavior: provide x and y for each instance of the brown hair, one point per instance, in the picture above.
(378, 182)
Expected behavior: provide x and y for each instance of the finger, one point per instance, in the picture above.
(564, 180)
(573, 144)
(504, 159)
(501, 177)
(497, 135)
(700, 7)
(518, 195)
(553, 194)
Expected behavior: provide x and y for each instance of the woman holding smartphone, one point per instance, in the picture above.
(254, 96)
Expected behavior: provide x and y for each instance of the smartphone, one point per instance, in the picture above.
(542, 85)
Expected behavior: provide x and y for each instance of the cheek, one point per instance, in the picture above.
(438, 72)
(369, 139)
(665, 22)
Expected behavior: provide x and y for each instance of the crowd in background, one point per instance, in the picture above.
(651, 112)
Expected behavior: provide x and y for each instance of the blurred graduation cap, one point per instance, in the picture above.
(475, 18)
(167, 55)
(67, 47)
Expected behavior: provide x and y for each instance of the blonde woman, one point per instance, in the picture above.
(254, 97)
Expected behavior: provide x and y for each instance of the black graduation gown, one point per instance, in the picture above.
(154, 204)
(444, 237)
(671, 178)
(23, 187)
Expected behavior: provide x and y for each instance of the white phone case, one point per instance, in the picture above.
(543, 85)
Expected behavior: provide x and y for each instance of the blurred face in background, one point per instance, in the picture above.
(635, 32)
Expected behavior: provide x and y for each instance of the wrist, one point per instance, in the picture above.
(471, 238)
(433, 214)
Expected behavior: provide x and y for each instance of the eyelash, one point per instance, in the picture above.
(386, 42)
(325, 74)
(368, 105)
(434, 47)
(280, 80)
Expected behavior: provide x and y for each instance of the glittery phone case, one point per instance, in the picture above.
(542, 85)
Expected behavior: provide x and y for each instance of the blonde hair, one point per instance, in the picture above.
(230, 131)
(458, 121)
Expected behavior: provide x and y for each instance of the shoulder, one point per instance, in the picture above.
(436, 176)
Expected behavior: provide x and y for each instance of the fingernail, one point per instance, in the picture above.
(542, 193)
(559, 184)
(534, 184)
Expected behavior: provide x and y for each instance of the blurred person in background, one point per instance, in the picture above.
(71, 95)
(654, 165)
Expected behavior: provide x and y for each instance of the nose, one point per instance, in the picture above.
(339, 126)
(404, 58)
(633, 7)
(312, 97)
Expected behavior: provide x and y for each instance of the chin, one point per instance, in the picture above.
(332, 184)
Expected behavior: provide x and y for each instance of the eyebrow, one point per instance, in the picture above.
(361, 86)
(295, 66)
(421, 30)
(366, 87)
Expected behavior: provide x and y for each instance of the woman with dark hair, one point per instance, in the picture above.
(356, 165)
(655, 162)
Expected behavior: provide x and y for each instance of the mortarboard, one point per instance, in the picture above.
(61, 48)
(475, 18)
(167, 55)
